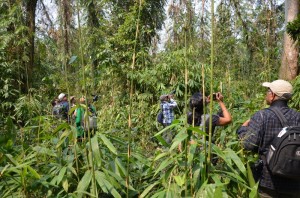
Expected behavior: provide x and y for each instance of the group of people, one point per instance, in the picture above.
(64, 110)
(255, 134)
(195, 117)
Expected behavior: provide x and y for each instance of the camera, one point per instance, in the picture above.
(95, 98)
(214, 96)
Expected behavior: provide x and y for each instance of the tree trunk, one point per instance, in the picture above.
(289, 61)
(30, 23)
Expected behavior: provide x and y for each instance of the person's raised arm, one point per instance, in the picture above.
(226, 119)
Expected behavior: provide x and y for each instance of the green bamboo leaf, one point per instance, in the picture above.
(63, 137)
(109, 145)
(180, 180)
(197, 129)
(65, 185)
(161, 155)
(119, 164)
(233, 176)
(164, 164)
(160, 194)
(84, 182)
(178, 139)
(96, 150)
(218, 192)
(33, 172)
(148, 189)
(163, 130)
(235, 158)
(254, 191)
(118, 178)
(61, 127)
(44, 151)
(61, 174)
(4, 169)
(100, 177)
(11, 159)
(112, 190)
(250, 176)
(72, 169)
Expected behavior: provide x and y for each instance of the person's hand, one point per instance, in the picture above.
(219, 96)
(246, 123)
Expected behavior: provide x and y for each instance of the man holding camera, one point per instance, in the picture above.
(167, 106)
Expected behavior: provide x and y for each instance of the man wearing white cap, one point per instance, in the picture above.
(258, 132)
(63, 101)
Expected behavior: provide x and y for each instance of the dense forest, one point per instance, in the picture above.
(129, 53)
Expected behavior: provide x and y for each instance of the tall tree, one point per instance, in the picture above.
(289, 61)
(30, 6)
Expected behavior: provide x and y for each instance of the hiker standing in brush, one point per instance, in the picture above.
(258, 133)
(168, 104)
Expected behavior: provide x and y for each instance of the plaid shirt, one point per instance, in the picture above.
(167, 110)
(263, 127)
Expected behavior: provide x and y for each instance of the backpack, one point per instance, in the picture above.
(92, 119)
(160, 117)
(283, 156)
(59, 111)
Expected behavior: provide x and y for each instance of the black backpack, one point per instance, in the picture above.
(283, 156)
(160, 116)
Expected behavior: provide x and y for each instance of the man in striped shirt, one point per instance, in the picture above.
(167, 106)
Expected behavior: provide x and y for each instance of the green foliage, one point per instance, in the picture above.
(41, 156)
(293, 29)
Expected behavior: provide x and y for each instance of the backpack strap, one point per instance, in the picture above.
(280, 116)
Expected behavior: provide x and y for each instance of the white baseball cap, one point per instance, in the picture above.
(61, 96)
(280, 88)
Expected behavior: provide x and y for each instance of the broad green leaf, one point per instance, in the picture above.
(100, 177)
(148, 189)
(180, 180)
(65, 185)
(44, 150)
(254, 191)
(61, 174)
(162, 140)
(164, 164)
(119, 164)
(109, 145)
(250, 176)
(84, 182)
(160, 156)
(33, 172)
(178, 139)
(218, 191)
(96, 150)
(112, 190)
(11, 159)
(198, 130)
(235, 158)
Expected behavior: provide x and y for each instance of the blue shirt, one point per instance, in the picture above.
(168, 112)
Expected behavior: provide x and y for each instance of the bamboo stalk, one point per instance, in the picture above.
(86, 105)
(131, 98)
(211, 86)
